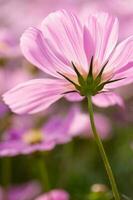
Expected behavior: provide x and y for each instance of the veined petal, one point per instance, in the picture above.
(88, 44)
(65, 32)
(122, 58)
(126, 78)
(74, 97)
(107, 99)
(41, 53)
(35, 95)
(104, 32)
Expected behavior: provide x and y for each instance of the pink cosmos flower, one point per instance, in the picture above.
(23, 138)
(81, 59)
(26, 140)
(26, 191)
(54, 195)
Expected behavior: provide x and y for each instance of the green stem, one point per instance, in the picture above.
(43, 173)
(6, 171)
(102, 151)
(6, 175)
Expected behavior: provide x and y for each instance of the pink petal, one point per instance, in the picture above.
(43, 54)
(88, 44)
(122, 58)
(127, 79)
(24, 191)
(79, 123)
(56, 194)
(103, 125)
(122, 63)
(57, 128)
(67, 38)
(107, 99)
(35, 95)
(104, 31)
(74, 97)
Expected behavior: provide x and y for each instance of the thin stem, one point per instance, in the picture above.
(102, 151)
(6, 171)
(6, 175)
(43, 173)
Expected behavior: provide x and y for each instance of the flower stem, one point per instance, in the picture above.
(43, 173)
(102, 151)
(6, 171)
(6, 175)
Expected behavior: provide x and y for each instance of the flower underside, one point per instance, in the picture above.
(89, 85)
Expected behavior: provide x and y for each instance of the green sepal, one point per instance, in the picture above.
(91, 68)
(67, 79)
(80, 77)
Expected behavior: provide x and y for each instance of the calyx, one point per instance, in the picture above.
(89, 85)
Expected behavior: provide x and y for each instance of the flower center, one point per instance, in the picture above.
(33, 137)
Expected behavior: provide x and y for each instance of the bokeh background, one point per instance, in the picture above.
(76, 165)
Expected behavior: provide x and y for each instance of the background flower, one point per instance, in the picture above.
(54, 195)
(26, 191)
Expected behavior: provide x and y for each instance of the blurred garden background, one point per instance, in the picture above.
(72, 162)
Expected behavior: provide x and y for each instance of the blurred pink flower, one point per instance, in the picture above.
(27, 191)
(8, 44)
(82, 59)
(11, 75)
(89, 7)
(26, 140)
(56, 194)
(124, 10)
(35, 11)
(80, 124)
(23, 138)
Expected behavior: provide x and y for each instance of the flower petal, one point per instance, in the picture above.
(67, 38)
(74, 97)
(104, 32)
(57, 128)
(43, 54)
(121, 62)
(126, 78)
(16, 147)
(79, 123)
(35, 95)
(122, 58)
(56, 194)
(88, 44)
(107, 99)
